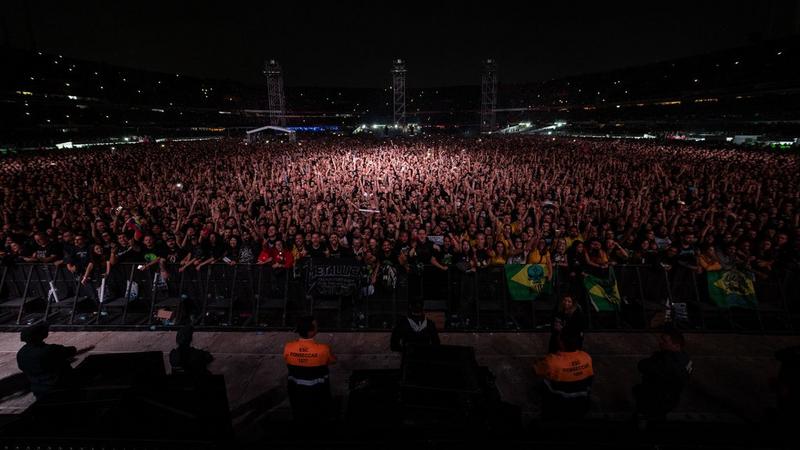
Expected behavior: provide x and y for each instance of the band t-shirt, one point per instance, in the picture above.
(44, 251)
(154, 252)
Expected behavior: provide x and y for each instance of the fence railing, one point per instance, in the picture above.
(346, 295)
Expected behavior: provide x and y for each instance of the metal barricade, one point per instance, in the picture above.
(260, 296)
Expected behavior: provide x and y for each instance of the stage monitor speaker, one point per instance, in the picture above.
(441, 382)
(127, 399)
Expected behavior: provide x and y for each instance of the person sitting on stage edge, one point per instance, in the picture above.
(414, 329)
(567, 379)
(47, 366)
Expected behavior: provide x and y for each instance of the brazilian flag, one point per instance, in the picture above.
(603, 293)
(731, 288)
(527, 281)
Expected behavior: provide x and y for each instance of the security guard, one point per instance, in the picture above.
(414, 329)
(308, 381)
(664, 376)
(567, 379)
(186, 359)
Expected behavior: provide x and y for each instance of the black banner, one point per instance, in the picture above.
(334, 277)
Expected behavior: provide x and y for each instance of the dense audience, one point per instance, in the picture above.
(455, 204)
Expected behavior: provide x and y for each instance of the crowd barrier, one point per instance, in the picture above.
(344, 295)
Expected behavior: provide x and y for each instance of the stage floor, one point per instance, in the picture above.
(730, 383)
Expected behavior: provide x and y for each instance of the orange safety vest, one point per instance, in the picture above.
(307, 362)
(568, 374)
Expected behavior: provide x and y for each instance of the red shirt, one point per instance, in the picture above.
(284, 257)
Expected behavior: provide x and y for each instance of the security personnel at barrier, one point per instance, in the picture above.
(308, 381)
(567, 380)
(47, 366)
(187, 360)
(414, 329)
(664, 376)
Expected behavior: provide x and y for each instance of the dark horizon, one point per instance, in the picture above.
(351, 45)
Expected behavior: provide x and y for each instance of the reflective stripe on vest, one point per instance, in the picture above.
(304, 382)
(576, 394)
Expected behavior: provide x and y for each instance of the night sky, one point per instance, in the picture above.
(351, 43)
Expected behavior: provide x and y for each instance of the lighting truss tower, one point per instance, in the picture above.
(488, 95)
(277, 102)
(399, 91)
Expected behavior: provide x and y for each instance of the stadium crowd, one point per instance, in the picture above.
(456, 204)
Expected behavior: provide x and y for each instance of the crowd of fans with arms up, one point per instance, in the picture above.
(574, 205)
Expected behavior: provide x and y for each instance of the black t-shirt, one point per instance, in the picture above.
(210, 250)
(79, 256)
(67, 249)
(174, 255)
(573, 325)
(482, 256)
(339, 252)
(58, 248)
(218, 251)
(386, 257)
(43, 251)
(156, 251)
(232, 253)
(195, 250)
(190, 360)
(270, 242)
(686, 255)
(421, 332)
(424, 252)
(445, 255)
(464, 259)
(47, 366)
(129, 254)
(314, 253)
(576, 262)
(248, 252)
(399, 247)
(666, 373)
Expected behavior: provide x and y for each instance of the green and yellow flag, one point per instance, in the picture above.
(527, 281)
(731, 288)
(603, 293)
